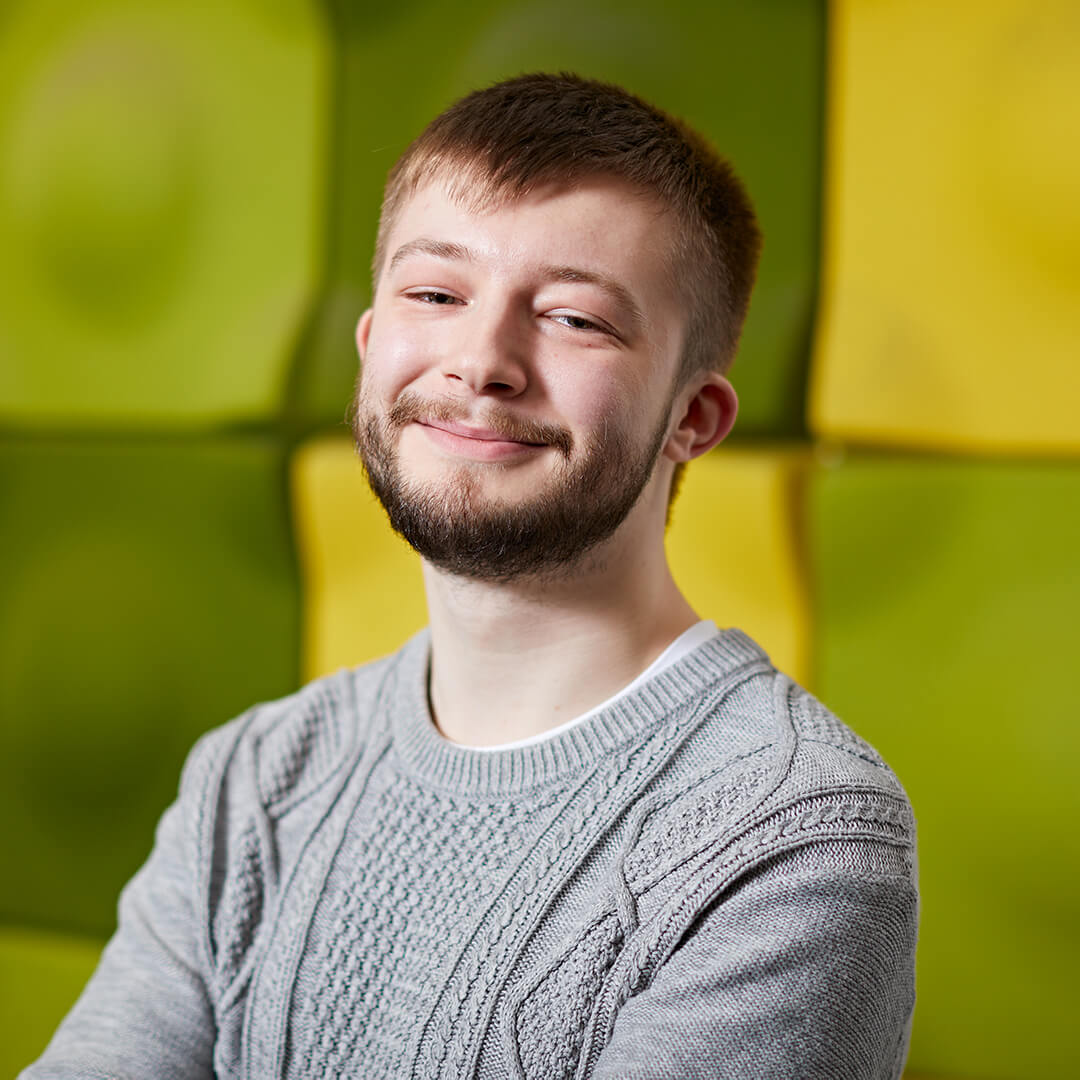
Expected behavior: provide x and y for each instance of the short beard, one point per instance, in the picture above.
(542, 536)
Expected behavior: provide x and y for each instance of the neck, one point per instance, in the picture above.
(514, 660)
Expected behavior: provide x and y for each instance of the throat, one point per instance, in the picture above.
(523, 698)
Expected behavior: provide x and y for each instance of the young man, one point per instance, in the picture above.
(571, 830)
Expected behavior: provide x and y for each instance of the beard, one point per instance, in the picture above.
(455, 528)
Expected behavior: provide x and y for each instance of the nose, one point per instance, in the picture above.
(489, 355)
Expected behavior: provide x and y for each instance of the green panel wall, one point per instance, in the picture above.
(41, 976)
(161, 181)
(748, 75)
(946, 634)
(147, 593)
(188, 197)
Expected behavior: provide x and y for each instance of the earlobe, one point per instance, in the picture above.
(708, 416)
(363, 331)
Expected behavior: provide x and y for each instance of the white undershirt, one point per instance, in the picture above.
(686, 642)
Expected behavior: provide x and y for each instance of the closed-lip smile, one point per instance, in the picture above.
(463, 431)
(476, 443)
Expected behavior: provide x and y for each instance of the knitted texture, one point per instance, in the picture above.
(415, 870)
(711, 877)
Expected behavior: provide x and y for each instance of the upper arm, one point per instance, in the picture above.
(805, 968)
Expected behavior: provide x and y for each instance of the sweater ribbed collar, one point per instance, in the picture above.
(436, 761)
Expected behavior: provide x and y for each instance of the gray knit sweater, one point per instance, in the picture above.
(712, 877)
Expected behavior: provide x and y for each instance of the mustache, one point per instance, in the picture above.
(410, 407)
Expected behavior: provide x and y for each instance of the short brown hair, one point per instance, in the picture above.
(515, 136)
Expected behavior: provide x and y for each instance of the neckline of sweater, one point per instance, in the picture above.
(436, 761)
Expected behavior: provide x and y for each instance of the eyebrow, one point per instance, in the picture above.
(442, 249)
(424, 245)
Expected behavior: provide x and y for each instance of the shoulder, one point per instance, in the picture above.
(770, 719)
(767, 769)
(830, 752)
(837, 793)
(278, 753)
(280, 760)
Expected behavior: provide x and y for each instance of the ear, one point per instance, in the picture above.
(363, 331)
(706, 413)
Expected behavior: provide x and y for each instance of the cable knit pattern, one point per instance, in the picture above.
(412, 880)
(550, 1028)
(297, 753)
(692, 821)
(816, 723)
(239, 912)
(712, 876)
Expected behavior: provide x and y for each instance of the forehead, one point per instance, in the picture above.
(599, 225)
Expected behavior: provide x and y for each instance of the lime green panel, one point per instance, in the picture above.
(147, 593)
(748, 75)
(160, 207)
(947, 634)
(951, 279)
(41, 975)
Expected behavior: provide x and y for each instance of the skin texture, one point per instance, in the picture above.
(518, 411)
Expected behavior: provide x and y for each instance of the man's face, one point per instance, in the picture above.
(518, 374)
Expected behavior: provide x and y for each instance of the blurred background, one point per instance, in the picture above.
(188, 199)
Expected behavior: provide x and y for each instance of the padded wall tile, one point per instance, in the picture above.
(748, 75)
(363, 593)
(160, 207)
(41, 975)
(946, 633)
(952, 257)
(734, 547)
(147, 593)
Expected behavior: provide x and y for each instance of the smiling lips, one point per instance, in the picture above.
(479, 443)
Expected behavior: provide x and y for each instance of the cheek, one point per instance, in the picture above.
(608, 411)
(392, 363)
(588, 390)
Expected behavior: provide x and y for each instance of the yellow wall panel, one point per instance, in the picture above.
(952, 238)
(734, 548)
(363, 594)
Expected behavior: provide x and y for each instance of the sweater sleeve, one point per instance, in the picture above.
(146, 1010)
(805, 968)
